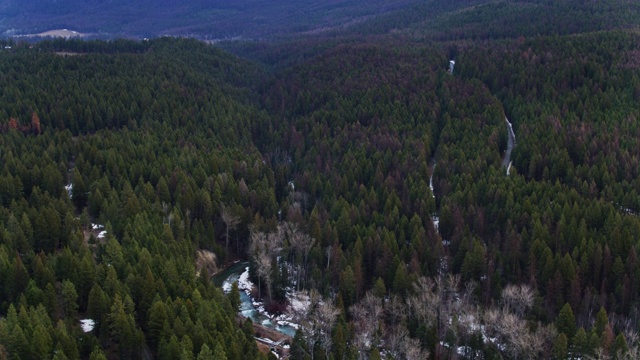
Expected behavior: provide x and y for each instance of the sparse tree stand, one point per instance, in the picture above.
(302, 244)
(316, 323)
(263, 249)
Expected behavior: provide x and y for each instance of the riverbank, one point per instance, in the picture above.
(251, 306)
(269, 340)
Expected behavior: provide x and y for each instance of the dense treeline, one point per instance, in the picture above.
(445, 20)
(566, 226)
(151, 148)
(574, 105)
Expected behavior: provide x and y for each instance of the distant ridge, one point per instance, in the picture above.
(62, 33)
(205, 19)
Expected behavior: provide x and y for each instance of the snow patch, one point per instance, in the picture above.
(69, 189)
(97, 226)
(87, 325)
(102, 234)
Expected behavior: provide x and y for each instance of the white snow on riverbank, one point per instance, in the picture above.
(244, 284)
(297, 301)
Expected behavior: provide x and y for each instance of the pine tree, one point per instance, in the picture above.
(218, 352)
(18, 344)
(69, 298)
(97, 354)
(566, 322)
(205, 353)
(579, 342)
(158, 322)
(79, 193)
(560, 347)
(620, 347)
(601, 321)
(65, 342)
(234, 297)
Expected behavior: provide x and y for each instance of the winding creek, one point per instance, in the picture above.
(249, 307)
(511, 143)
(434, 218)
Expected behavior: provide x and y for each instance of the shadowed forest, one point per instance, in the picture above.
(351, 166)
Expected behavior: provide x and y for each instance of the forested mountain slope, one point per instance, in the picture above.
(151, 147)
(495, 19)
(353, 165)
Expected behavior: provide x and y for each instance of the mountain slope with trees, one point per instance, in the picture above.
(352, 166)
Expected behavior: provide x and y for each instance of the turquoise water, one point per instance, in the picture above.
(247, 308)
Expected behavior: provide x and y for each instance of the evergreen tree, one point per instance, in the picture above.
(205, 353)
(560, 346)
(566, 322)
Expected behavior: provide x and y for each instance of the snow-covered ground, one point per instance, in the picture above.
(102, 232)
(69, 189)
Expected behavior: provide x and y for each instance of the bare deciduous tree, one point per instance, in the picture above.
(517, 298)
(395, 341)
(633, 344)
(366, 317)
(231, 221)
(413, 350)
(263, 262)
(424, 302)
(396, 310)
(400, 345)
(511, 334)
(263, 249)
(301, 244)
(435, 300)
(316, 321)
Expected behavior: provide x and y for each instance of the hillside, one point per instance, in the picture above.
(359, 189)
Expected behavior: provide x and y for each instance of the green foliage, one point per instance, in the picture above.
(566, 322)
(155, 137)
(234, 297)
(560, 346)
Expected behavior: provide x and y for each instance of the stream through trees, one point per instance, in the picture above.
(511, 143)
(249, 307)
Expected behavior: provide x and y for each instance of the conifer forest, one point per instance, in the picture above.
(447, 180)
